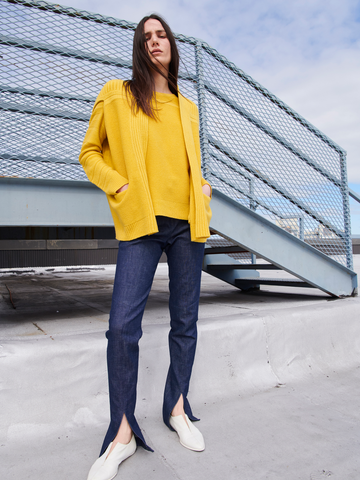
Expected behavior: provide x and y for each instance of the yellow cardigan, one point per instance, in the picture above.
(113, 154)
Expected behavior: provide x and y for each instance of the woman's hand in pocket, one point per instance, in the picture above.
(206, 190)
(123, 188)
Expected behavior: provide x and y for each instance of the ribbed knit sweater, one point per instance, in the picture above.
(114, 154)
(167, 163)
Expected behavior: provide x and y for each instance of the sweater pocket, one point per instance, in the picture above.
(118, 206)
(119, 196)
(127, 207)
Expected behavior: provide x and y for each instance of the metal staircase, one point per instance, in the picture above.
(280, 192)
(241, 235)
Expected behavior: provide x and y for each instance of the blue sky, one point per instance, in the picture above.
(306, 52)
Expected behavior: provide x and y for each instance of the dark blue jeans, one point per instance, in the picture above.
(135, 269)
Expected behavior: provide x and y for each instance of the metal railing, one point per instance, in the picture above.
(255, 149)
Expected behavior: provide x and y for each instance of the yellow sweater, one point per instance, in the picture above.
(114, 154)
(167, 164)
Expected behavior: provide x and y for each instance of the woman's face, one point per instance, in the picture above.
(157, 43)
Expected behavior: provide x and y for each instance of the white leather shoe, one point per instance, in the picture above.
(107, 468)
(190, 436)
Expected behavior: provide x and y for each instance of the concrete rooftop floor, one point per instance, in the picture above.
(276, 380)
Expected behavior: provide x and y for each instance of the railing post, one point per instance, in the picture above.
(204, 144)
(251, 192)
(346, 211)
(301, 228)
(253, 208)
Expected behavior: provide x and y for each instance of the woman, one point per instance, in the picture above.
(142, 149)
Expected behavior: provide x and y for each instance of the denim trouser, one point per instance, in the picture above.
(136, 265)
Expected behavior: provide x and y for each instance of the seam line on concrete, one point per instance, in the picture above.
(267, 335)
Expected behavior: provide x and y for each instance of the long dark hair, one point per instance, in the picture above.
(142, 84)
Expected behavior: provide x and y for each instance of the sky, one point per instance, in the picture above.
(306, 52)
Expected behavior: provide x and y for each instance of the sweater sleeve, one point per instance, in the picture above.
(91, 158)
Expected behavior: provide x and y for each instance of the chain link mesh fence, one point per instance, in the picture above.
(54, 61)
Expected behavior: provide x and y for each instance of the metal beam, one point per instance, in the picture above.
(284, 282)
(45, 112)
(30, 202)
(48, 94)
(64, 52)
(27, 158)
(243, 266)
(74, 12)
(229, 275)
(261, 237)
(354, 195)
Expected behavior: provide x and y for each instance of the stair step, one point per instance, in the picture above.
(225, 249)
(284, 282)
(243, 266)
